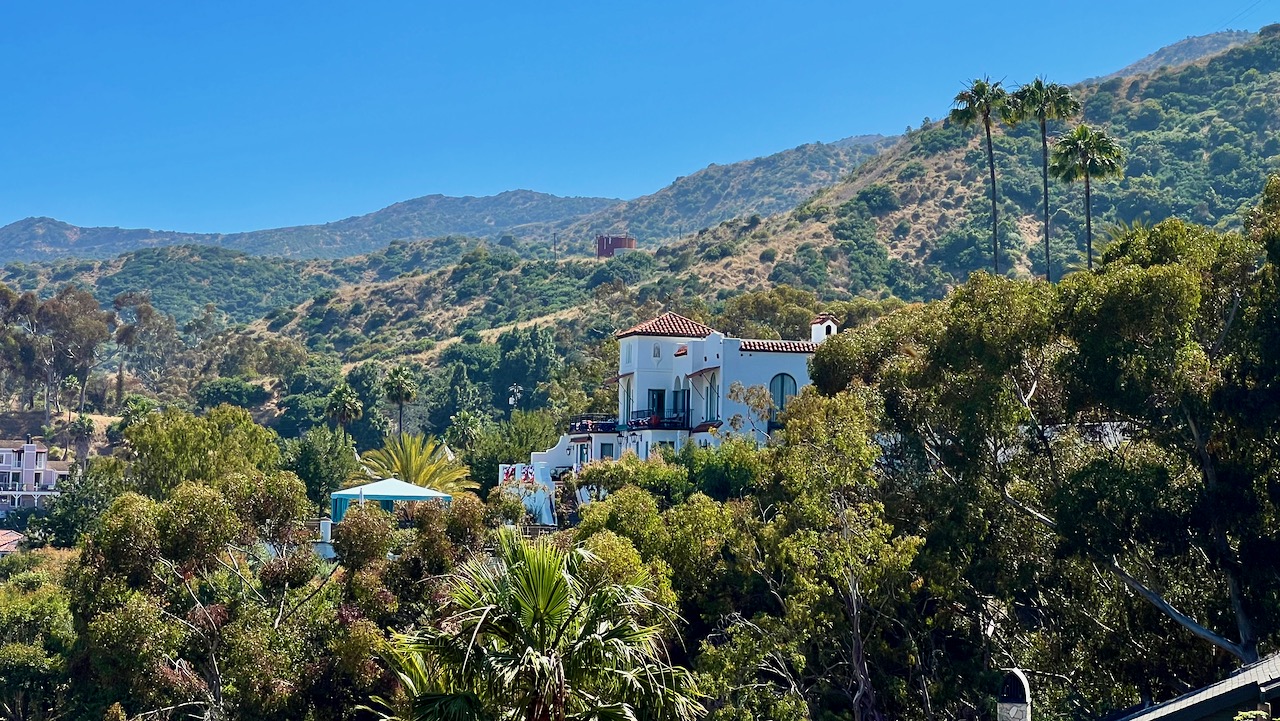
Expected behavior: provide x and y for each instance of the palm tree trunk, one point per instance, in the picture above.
(1044, 175)
(995, 218)
(400, 421)
(1088, 221)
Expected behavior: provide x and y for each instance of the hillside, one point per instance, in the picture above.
(910, 221)
(762, 186)
(426, 217)
(183, 278)
(1185, 51)
(1200, 141)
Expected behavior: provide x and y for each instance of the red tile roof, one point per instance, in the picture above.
(822, 318)
(779, 346)
(9, 541)
(700, 371)
(669, 324)
(682, 350)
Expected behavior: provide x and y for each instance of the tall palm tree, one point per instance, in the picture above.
(978, 102)
(401, 387)
(343, 405)
(534, 636)
(1042, 102)
(1086, 153)
(419, 460)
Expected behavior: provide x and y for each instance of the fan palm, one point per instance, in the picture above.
(1042, 102)
(1085, 153)
(401, 387)
(343, 405)
(420, 460)
(978, 102)
(533, 637)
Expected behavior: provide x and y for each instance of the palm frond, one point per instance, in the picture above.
(420, 460)
(528, 633)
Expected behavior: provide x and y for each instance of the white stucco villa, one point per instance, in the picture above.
(673, 380)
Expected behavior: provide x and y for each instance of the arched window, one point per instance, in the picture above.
(657, 350)
(781, 389)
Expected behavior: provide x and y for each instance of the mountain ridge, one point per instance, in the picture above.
(427, 216)
(1188, 50)
(759, 186)
(796, 173)
(689, 203)
(910, 221)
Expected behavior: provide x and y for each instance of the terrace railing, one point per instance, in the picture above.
(657, 419)
(593, 423)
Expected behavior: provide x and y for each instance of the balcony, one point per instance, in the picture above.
(593, 423)
(668, 420)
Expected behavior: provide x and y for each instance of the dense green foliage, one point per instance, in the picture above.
(182, 280)
(1074, 479)
(1198, 139)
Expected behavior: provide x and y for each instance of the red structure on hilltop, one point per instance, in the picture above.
(607, 245)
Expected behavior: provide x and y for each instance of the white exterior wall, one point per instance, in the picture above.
(755, 368)
(642, 371)
(575, 450)
(707, 369)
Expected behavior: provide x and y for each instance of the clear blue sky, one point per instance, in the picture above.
(230, 115)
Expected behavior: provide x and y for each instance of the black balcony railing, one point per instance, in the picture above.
(665, 420)
(593, 423)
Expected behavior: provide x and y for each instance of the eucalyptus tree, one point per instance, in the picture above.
(981, 101)
(1115, 427)
(1086, 154)
(1042, 102)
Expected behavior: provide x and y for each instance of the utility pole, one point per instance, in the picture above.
(555, 250)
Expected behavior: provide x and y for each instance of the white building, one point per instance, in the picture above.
(673, 379)
(28, 479)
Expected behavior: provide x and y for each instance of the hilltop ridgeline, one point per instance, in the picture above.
(762, 185)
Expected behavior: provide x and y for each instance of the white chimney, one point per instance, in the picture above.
(822, 327)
